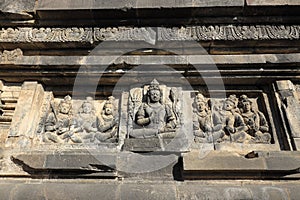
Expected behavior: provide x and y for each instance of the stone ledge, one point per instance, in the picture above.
(128, 4)
(273, 2)
(95, 189)
(107, 60)
(232, 164)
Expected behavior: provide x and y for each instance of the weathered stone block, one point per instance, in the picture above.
(28, 192)
(135, 163)
(147, 192)
(220, 161)
(27, 110)
(6, 190)
(18, 8)
(89, 4)
(78, 163)
(272, 3)
(255, 164)
(93, 191)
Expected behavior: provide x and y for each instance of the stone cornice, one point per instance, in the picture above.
(197, 33)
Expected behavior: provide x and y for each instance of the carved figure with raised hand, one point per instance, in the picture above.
(58, 123)
(229, 124)
(202, 120)
(155, 116)
(108, 122)
(257, 125)
(85, 126)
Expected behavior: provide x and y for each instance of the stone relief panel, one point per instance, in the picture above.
(150, 118)
(88, 121)
(155, 115)
(233, 119)
(152, 114)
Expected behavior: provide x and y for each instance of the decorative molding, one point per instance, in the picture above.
(46, 35)
(9, 57)
(230, 32)
(198, 33)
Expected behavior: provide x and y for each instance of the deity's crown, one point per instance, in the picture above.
(244, 98)
(154, 85)
(67, 99)
(232, 98)
(201, 98)
(88, 100)
(110, 100)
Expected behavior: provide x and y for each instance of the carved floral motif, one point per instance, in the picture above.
(198, 33)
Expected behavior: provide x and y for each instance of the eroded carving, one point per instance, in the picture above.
(210, 32)
(10, 56)
(58, 123)
(154, 117)
(229, 120)
(230, 32)
(85, 126)
(202, 120)
(228, 123)
(108, 121)
(85, 122)
(73, 34)
(257, 125)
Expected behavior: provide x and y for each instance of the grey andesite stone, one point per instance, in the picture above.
(115, 4)
(147, 191)
(18, 8)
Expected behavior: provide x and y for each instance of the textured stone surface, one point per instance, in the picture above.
(290, 105)
(17, 9)
(217, 160)
(197, 164)
(160, 59)
(28, 109)
(114, 4)
(67, 164)
(147, 191)
(82, 189)
(272, 3)
(147, 34)
(47, 40)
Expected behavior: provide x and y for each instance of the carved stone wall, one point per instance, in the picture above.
(191, 99)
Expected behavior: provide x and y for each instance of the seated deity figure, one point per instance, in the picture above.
(156, 117)
(257, 125)
(202, 120)
(108, 122)
(58, 125)
(229, 124)
(85, 123)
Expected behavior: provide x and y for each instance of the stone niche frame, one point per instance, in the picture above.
(261, 100)
(183, 130)
(98, 105)
(238, 160)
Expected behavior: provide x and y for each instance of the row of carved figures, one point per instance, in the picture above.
(234, 120)
(157, 114)
(84, 126)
